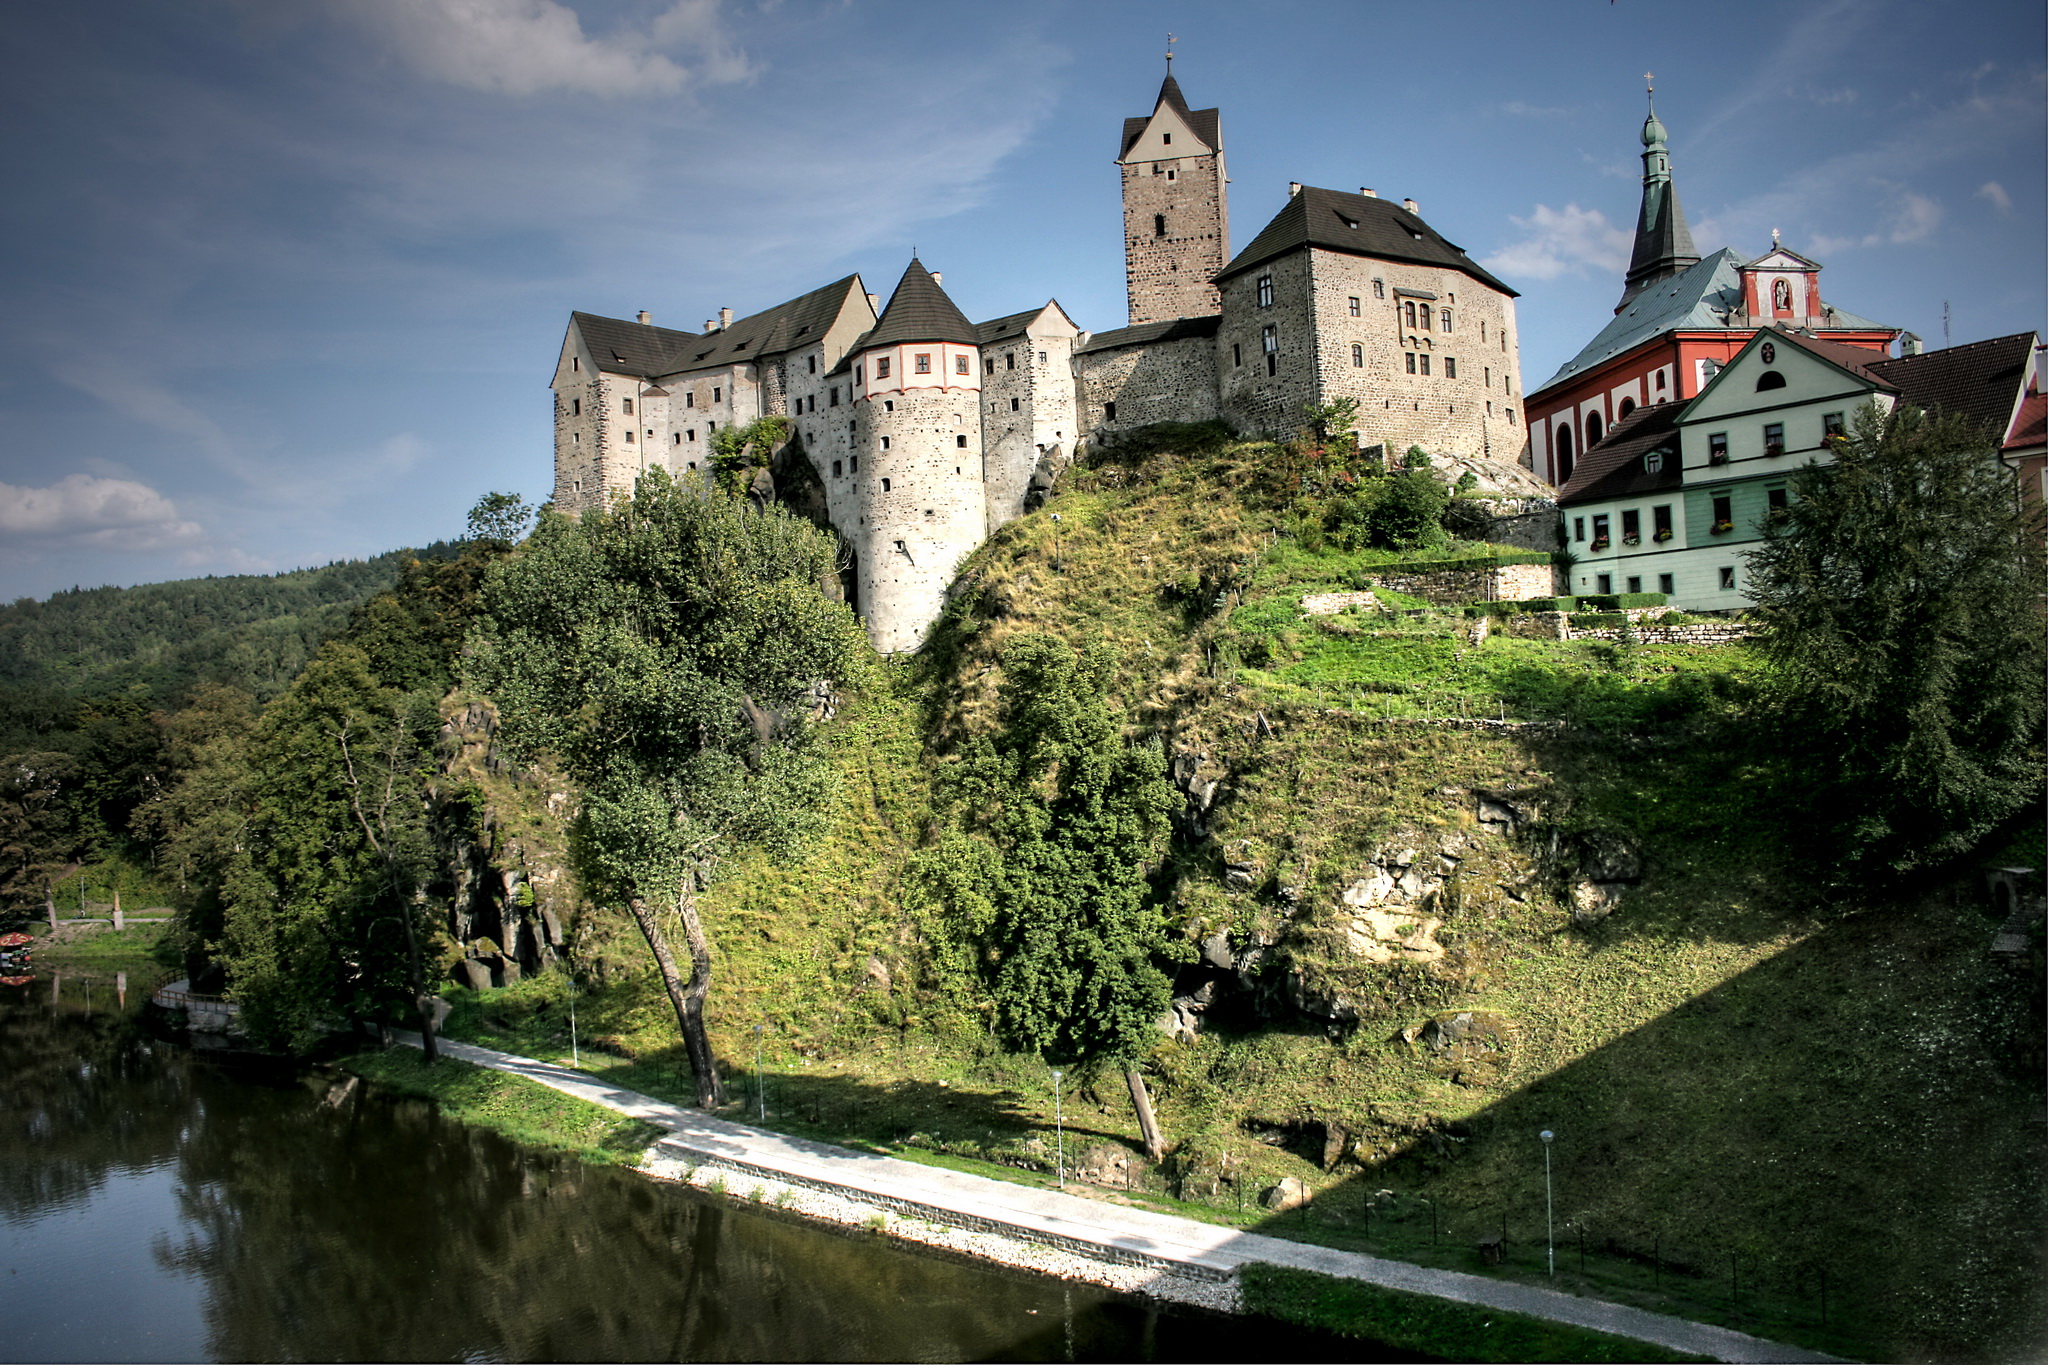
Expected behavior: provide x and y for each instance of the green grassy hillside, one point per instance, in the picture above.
(1454, 888)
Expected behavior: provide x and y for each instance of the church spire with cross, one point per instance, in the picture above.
(1663, 246)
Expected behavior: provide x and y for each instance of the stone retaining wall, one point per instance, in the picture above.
(1453, 587)
(1703, 633)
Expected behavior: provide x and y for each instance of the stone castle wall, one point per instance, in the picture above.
(1168, 276)
(1027, 410)
(1249, 398)
(921, 506)
(1167, 381)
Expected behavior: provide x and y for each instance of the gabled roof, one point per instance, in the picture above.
(1358, 225)
(2030, 428)
(1015, 324)
(1179, 329)
(1779, 249)
(638, 348)
(1616, 467)
(1204, 123)
(1855, 359)
(919, 310)
(1983, 380)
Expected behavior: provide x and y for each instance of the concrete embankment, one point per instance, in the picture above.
(1130, 1249)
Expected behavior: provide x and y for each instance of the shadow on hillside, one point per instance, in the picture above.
(1856, 1118)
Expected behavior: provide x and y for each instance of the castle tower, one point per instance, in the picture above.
(920, 504)
(1176, 221)
(1663, 242)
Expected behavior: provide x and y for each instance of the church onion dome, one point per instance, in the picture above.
(919, 310)
(1653, 130)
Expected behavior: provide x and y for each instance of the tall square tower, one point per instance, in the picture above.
(1176, 221)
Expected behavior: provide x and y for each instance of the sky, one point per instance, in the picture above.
(284, 283)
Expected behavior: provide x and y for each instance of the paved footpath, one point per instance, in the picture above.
(1102, 1231)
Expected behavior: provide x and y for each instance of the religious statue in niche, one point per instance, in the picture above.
(1781, 295)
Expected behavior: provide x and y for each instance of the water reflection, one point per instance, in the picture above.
(154, 1205)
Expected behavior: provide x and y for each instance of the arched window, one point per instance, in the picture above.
(1628, 405)
(1564, 453)
(1592, 430)
(1769, 379)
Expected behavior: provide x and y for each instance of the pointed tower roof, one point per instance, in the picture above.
(1206, 124)
(1663, 242)
(920, 311)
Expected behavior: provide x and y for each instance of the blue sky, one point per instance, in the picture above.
(283, 283)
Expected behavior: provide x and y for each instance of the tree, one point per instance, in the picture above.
(38, 835)
(1058, 821)
(1898, 598)
(664, 650)
(499, 519)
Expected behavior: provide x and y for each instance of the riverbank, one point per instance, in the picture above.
(1146, 1252)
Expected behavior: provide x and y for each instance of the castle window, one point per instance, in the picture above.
(1357, 355)
(679, 438)
(837, 466)
(1354, 306)
(1489, 376)
(1265, 291)
(960, 441)
(1411, 362)
(885, 446)
(1009, 360)
(575, 407)
(881, 367)
(690, 435)
(1424, 313)
(1482, 331)
(859, 374)
(690, 399)
(576, 366)
(1236, 354)
(575, 438)
(1109, 412)
(1158, 225)
(1041, 357)
(853, 465)
(718, 395)
(812, 362)
(833, 402)
(1450, 367)
(888, 405)
(885, 482)
(1170, 175)
(924, 362)
(1593, 429)
(1408, 312)
(629, 435)
(1379, 289)
(1166, 139)
(959, 364)
(1511, 414)
(1660, 379)
(1444, 318)
(1158, 168)
(628, 406)
(1013, 405)
(1425, 363)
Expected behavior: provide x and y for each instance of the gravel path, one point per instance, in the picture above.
(1133, 1250)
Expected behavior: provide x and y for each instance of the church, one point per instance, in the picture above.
(928, 431)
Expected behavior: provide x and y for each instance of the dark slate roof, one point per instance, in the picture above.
(1982, 380)
(997, 329)
(1206, 124)
(639, 349)
(1615, 467)
(1180, 329)
(1358, 225)
(920, 311)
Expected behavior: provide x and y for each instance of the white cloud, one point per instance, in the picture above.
(527, 47)
(1995, 192)
(1913, 218)
(1523, 110)
(81, 509)
(1561, 240)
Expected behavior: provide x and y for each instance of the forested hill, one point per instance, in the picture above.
(255, 631)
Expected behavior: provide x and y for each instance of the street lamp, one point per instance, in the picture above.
(1059, 1129)
(575, 1054)
(760, 1094)
(1549, 1215)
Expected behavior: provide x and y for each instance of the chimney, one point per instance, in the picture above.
(724, 318)
(1412, 207)
(938, 277)
(874, 303)
(1368, 192)
(1293, 188)
(646, 318)
(710, 326)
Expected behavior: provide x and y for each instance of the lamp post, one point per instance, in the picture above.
(760, 1094)
(1549, 1214)
(1059, 1129)
(575, 1054)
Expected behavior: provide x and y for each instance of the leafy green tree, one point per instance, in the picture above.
(199, 821)
(499, 519)
(664, 649)
(1409, 514)
(1058, 822)
(1898, 596)
(38, 833)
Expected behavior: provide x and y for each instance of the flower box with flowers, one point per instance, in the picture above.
(1661, 536)
(1632, 540)
(1600, 542)
(1723, 527)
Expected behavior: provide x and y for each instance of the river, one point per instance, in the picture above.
(160, 1205)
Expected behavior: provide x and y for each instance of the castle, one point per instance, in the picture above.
(928, 431)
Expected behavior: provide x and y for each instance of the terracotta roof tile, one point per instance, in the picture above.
(1616, 468)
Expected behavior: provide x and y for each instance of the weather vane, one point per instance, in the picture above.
(1169, 53)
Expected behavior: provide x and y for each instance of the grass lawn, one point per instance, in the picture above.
(519, 1109)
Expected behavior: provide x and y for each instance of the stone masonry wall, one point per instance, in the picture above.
(1168, 277)
(1451, 587)
(1027, 409)
(1251, 400)
(922, 507)
(1468, 414)
(1167, 381)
